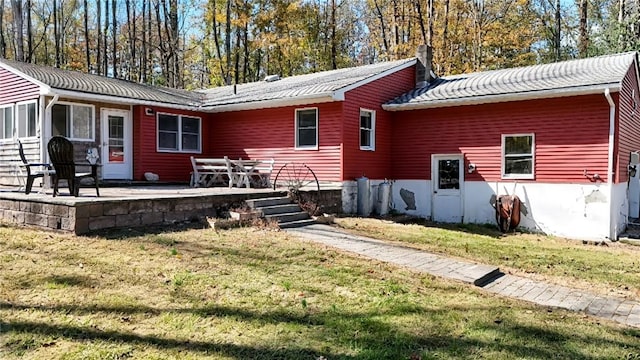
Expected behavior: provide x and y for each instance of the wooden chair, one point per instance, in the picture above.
(61, 156)
(34, 170)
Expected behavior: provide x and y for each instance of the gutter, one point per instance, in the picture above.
(610, 163)
(498, 98)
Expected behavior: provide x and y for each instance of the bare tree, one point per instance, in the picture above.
(583, 44)
(16, 6)
(99, 38)
(3, 44)
(87, 40)
(29, 34)
(114, 51)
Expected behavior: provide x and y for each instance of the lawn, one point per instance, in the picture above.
(254, 293)
(611, 268)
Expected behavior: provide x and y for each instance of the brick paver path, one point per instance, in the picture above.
(487, 277)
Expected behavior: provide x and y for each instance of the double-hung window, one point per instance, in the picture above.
(74, 121)
(179, 133)
(6, 121)
(367, 130)
(307, 129)
(518, 156)
(26, 119)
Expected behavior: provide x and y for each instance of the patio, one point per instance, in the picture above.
(132, 206)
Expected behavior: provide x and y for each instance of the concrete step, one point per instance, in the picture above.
(288, 217)
(296, 224)
(279, 209)
(264, 202)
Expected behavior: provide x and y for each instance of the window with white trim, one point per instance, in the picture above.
(27, 120)
(179, 133)
(307, 128)
(367, 130)
(6, 121)
(73, 121)
(518, 156)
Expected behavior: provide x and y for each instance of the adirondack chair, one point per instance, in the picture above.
(33, 170)
(61, 156)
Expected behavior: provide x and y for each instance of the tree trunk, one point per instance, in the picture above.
(385, 42)
(557, 37)
(143, 56)
(105, 63)
(423, 30)
(175, 50)
(29, 34)
(432, 20)
(56, 34)
(445, 30)
(99, 38)
(86, 35)
(334, 50)
(3, 44)
(583, 45)
(227, 44)
(114, 51)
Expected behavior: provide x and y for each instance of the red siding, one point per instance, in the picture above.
(628, 124)
(373, 164)
(170, 166)
(571, 135)
(270, 133)
(13, 88)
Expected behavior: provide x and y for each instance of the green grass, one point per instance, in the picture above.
(255, 294)
(611, 269)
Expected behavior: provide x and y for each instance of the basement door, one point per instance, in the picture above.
(448, 185)
(117, 139)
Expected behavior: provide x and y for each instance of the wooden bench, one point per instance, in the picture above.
(210, 172)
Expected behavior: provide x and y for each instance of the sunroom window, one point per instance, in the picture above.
(26, 119)
(74, 121)
(6, 122)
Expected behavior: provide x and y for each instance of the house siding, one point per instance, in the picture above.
(169, 166)
(628, 124)
(270, 133)
(15, 88)
(571, 136)
(373, 164)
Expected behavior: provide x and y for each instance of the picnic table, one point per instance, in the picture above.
(231, 172)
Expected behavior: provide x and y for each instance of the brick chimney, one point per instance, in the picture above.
(424, 54)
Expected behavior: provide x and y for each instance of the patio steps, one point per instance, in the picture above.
(282, 210)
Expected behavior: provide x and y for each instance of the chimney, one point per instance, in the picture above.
(423, 65)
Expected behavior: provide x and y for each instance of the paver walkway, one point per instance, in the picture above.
(487, 277)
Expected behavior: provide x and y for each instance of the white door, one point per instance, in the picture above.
(117, 143)
(448, 184)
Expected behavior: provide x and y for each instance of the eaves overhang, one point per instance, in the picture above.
(500, 98)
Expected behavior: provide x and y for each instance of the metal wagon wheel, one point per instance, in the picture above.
(301, 184)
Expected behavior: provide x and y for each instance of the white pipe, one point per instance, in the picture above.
(45, 127)
(610, 172)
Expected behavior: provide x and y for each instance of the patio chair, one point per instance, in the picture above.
(33, 170)
(61, 156)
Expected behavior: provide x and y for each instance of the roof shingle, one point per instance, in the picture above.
(578, 74)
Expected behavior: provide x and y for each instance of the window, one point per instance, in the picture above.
(307, 129)
(6, 122)
(178, 133)
(74, 121)
(518, 156)
(27, 119)
(367, 129)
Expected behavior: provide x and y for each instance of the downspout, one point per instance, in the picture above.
(46, 127)
(610, 172)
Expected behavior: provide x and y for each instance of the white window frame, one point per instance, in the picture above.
(70, 125)
(3, 136)
(372, 130)
(533, 157)
(17, 123)
(306, 147)
(179, 149)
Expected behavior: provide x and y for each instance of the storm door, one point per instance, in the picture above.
(448, 185)
(117, 142)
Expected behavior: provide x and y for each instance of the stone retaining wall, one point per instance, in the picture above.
(84, 217)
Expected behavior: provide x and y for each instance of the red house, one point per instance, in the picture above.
(562, 135)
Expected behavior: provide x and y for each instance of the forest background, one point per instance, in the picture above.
(203, 43)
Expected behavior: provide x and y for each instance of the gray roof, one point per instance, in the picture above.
(261, 94)
(93, 84)
(548, 80)
(309, 85)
